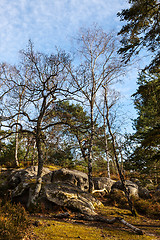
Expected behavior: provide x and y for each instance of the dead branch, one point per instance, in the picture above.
(111, 221)
(99, 218)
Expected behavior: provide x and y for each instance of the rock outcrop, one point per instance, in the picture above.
(103, 183)
(70, 196)
(144, 193)
(75, 177)
(66, 188)
(62, 187)
(27, 175)
(132, 187)
(135, 189)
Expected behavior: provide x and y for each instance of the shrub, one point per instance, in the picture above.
(13, 221)
(147, 207)
(116, 198)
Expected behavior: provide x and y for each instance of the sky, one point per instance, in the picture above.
(50, 23)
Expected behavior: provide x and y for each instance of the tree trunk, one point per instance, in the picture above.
(116, 157)
(99, 218)
(40, 168)
(17, 134)
(40, 152)
(90, 153)
(106, 150)
(16, 145)
(121, 161)
(83, 148)
(90, 173)
(33, 154)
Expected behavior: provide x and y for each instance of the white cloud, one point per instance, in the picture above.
(50, 22)
(53, 22)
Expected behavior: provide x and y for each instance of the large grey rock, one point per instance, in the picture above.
(132, 187)
(144, 193)
(26, 175)
(69, 195)
(136, 181)
(101, 183)
(128, 183)
(21, 192)
(20, 181)
(133, 191)
(75, 177)
(62, 187)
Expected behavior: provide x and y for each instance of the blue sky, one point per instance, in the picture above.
(50, 23)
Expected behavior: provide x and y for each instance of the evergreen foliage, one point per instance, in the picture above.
(146, 140)
(61, 156)
(7, 153)
(141, 30)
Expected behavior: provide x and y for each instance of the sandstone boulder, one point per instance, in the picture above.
(75, 177)
(26, 175)
(20, 181)
(128, 183)
(132, 187)
(144, 193)
(61, 187)
(136, 181)
(101, 183)
(68, 195)
(135, 189)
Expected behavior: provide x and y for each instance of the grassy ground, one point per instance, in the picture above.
(50, 228)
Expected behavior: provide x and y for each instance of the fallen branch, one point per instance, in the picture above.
(111, 221)
(137, 230)
(99, 218)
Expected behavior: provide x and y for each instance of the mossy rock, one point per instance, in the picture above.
(68, 195)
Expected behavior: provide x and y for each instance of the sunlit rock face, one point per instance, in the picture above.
(131, 186)
(134, 189)
(62, 187)
(69, 195)
(101, 183)
(75, 177)
(27, 175)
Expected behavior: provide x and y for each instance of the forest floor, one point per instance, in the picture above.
(47, 227)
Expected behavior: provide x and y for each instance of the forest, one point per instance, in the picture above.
(63, 111)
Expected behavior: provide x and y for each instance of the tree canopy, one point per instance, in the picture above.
(141, 30)
(146, 139)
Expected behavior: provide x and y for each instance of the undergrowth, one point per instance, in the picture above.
(147, 207)
(13, 221)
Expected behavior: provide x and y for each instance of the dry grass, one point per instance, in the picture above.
(49, 229)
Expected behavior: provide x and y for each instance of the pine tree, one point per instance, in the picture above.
(141, 30)
(146, 153)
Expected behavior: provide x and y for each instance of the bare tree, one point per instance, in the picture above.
(112, 99)
(45, 80)
(12, 97)
(99, 65)
(115, 150)
(20, 98)
(106, 145)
